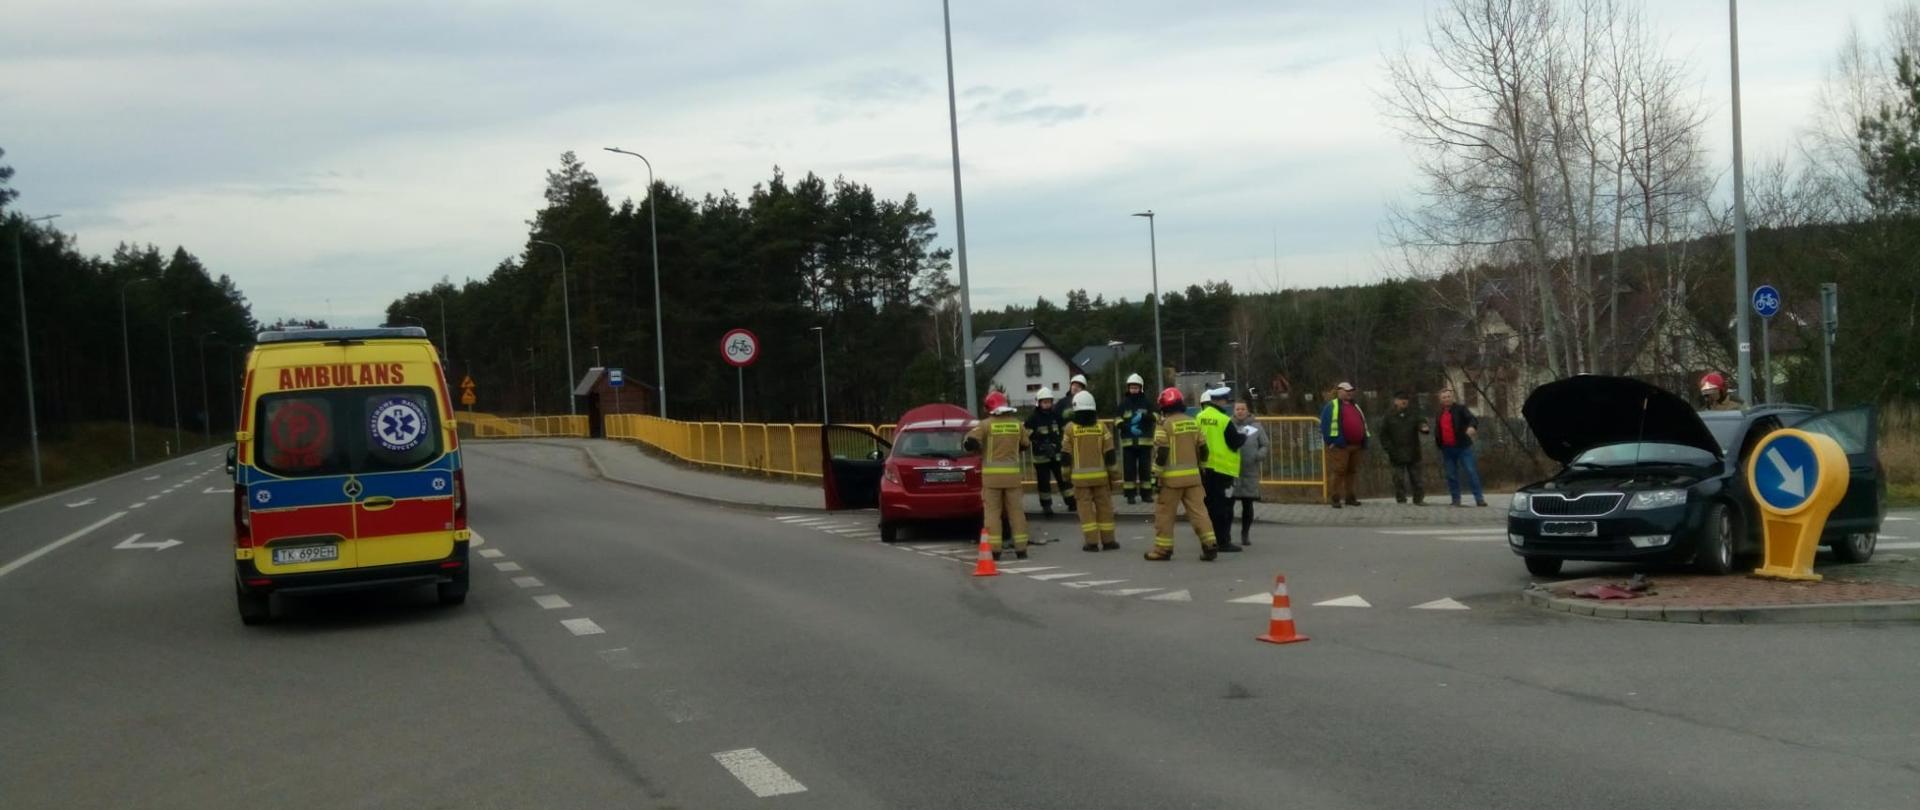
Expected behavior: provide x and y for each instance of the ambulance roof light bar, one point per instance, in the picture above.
(341, 335)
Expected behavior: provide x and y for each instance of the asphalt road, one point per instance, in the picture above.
(643, 651)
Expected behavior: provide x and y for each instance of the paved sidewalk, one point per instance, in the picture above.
(628, 463)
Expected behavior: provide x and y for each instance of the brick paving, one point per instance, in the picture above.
(1694, 590)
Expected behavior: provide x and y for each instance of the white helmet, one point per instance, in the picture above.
(1083, 401)
(1043, 394)
(1078, 378)
(1134, 379)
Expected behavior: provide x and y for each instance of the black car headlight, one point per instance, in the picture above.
(1657, 499)
(1520, 502)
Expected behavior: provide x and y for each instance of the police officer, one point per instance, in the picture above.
(999, 439)
(1045, 427)
(1222, 467)
(1178, 451)
(1095, 465)
(1134, 432)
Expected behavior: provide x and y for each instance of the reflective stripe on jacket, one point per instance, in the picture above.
(1180, 434)
(1001, 439)
(1090, 445)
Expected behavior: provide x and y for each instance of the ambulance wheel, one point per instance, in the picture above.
(889, 532)
(255, 607)
(455, 592)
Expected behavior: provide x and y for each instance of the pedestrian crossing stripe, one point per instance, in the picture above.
(1129, 591)
(1050, 577)
(1255, 599)
(1031, 569)
(1176, 596)
(1093, 583)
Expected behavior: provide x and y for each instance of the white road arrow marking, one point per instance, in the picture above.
(1129, 591)
(78, 504)
(1254, 599)
(133, 543)
(1793, 480)
(1176, 596)
(1441, 604)
(1093, 583)
(1345, 601)
(1046, 577)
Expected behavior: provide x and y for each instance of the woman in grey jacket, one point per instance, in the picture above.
(1253, 459)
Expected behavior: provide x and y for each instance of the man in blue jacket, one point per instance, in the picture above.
(1344, 427)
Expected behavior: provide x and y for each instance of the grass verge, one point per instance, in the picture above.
(77, 454)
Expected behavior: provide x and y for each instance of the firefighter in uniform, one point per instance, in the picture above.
(1134, 432)
(1075, 385)
(1095, 466)
(999, 439)
(1045, 427)
(1178, 451)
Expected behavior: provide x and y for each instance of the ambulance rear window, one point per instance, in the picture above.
(344, 431)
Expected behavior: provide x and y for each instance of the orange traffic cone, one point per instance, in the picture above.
(985, 566)
(1280, 626)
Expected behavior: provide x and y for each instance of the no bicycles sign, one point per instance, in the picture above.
(740, 347)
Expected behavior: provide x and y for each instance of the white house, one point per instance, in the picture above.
(1021, 361)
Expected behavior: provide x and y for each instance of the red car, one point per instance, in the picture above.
(922, 476)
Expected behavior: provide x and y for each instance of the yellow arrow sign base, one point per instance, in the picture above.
(1793, 535)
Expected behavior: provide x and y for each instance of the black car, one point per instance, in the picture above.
(1649, 479)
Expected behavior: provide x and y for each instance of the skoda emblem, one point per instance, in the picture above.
(352, 489)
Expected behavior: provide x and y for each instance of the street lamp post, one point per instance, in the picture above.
(533, 381)
(1233, 346)
(959, 222)
(596, 356)
(821, 331)
(1743, 345)
(173, 381)
(1113, 358)
(126, 354)
(446, 348)
(1153, 245)
(26, 352)
(659, 333)
(566, 322)
(206, 404)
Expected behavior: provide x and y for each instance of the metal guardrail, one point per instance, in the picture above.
(1296, 456)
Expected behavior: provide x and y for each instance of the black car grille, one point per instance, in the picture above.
(1592, 504)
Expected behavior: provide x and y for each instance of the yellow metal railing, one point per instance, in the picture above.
(1296, 455)
(486, 426)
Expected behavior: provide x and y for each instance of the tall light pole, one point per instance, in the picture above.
(596, 356)
(446, 348)
(566, 319)
(1743, 345)
(26, 353)
(1113, 358)
(1153, 246)
(173, 380)
(659, 333)
(959, 225)
(821, 331)
(126, 354)
(533, 381)
(206, 403)
(1234, 347)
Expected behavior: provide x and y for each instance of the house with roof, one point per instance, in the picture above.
(1100, 362)
(1020, 362)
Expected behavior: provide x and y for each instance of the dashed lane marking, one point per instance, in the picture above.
(50, 547)
(507, 566)
(552, 601)
(151, 478)
(1441, 532)
(793, 518)
(758, 773)
(78, 504)
(491, 553)
(217, 491)
(1441, 604)
(1345, 601)
(153, 497)
(620, 658)
(1093, 583)
(1032, 568)
(1897, 546)
(528, 582)
(678, 707)
(1898, 518)
(136, 505)
(1176, 596)
(581, 627)
(1050, 577)
(1253, 599)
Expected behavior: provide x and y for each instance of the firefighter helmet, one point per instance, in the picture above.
(1713, 382)
(1083, 401)
(1134, 379)
(1078, 378)
(1171, 400)
(996, 402)
(1043, 394)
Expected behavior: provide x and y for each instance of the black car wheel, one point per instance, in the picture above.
(1718, 542)
(889, 532)
(454, 592)
(255, 607)
(1856, 548)
(1544, 566)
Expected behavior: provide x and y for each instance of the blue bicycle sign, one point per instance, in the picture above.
(1766, 301)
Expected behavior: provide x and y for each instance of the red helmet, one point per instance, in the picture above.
(1713, 382)
(1171, 398)
(995, 401)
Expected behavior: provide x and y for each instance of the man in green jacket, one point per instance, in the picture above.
(1401, 436)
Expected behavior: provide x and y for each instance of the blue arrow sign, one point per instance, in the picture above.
(1766, 301)
(616, 377)
(1787, 472)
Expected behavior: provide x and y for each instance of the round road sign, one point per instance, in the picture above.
(1766, 301)
(740, 347)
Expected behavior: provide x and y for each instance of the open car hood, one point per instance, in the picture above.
(1570, 416)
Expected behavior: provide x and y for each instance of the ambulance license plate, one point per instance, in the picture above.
(305, 554)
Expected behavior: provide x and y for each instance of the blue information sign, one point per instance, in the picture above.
(1766, 300)
(616, 377)
(1786, 472)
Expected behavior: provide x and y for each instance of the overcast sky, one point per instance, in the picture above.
(333, 156)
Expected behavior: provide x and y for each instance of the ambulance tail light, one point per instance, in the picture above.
(459, 499)
(242, 521)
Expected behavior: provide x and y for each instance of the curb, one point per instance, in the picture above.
(1732, 614)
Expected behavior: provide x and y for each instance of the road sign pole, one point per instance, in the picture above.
(1830, 323)
(1766, 357)
(740, 386)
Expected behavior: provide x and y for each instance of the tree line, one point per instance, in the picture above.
(81, 368)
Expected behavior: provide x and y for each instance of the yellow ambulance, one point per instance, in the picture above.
(346, 468)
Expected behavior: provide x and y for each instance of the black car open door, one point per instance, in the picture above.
(1865, 504)
(851, 462)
